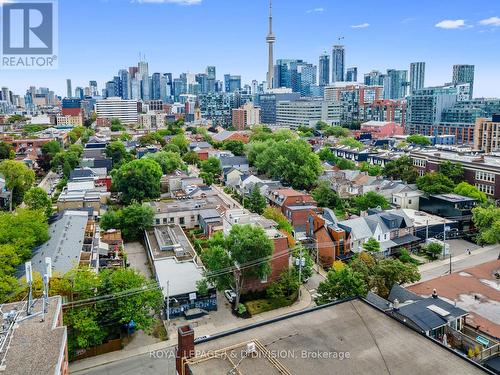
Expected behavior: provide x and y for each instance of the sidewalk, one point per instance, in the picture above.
(443, 262)
(207, 329)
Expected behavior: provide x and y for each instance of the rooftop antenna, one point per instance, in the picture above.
(29, 280)
(46, 279)
(340, 38)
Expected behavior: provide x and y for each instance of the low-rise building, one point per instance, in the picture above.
(294, 204)
(281, 253)
(450, 206)
(381, 129)
(177, 269)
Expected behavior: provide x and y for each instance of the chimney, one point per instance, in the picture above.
(434, 294)
(185, 348)
(396, 304)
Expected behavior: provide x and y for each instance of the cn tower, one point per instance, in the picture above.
(270, 39)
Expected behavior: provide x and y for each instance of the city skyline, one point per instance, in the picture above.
(244, 53)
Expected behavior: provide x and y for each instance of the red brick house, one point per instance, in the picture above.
(329, 239)
(294, 204)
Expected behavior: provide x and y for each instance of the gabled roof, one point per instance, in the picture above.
(378, 301)
(233, 160)
(431, 313)
(402, 294)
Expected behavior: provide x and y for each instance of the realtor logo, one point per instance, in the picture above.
(29, 34)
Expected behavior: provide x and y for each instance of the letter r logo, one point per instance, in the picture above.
(27, 28)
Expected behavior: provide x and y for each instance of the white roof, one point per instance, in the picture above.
(182, 276)
(80, 186)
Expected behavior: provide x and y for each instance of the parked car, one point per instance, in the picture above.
(230, 295)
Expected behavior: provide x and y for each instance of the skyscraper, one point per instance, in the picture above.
(156, 86)
(270, 39)
(93, 88)
(464, 74)
(69, 92)
(338, 63)
(143, 73)
(324, 69)
(232, 83)
(374, 78)
(395, 84)
(352, 74)
(126, 88)
(417, 76)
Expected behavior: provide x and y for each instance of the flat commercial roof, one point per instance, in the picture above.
(351, 337)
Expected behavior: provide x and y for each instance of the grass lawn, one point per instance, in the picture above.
(264, 304)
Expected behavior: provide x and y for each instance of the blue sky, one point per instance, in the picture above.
(98, 37)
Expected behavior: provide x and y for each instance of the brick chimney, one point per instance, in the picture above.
(185, 348)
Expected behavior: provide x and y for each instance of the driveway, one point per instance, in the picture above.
(136, 256)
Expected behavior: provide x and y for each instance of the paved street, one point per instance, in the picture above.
(442, 267)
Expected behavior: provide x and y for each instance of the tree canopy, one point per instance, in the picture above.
(6, 151)
(244, 245)
(37, 199)
(274, 213)
(454, 171)
(341, 284)
(326, 197)
(369, 200)
(210, 170)
(371, 245)
(168, 161)
(49, 150)
(137, 180)
(487, 223)
(351, 142)
(236, 147)
(401, 169)
(132, 220)
(418, 139)
(435, 183)
(292, 161)
(468, 190)
(118, 153)
(18, 179)
(256, 202)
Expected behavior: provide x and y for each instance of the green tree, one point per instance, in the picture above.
(116, 125)
(370, 200)
(487, 223)
(168, 161)
(342, 284)
(236, 147)
(37, 199)
(418, 139)
(392, 271)
(49, 150)
(336, 131)
(435, 183)
(6, 151)
(132, 220)
(468, 190)
(401, 169)
(181, 142)
(191, 158)
(256, 201)
(373, 170)
(137, 180)
(273, 213)
(434, 249)
(210, 170)
(326, 197)
(172, 148)
(286, 286)
(371, 245)
(344, 164)
(151, 139)
(18, 179)
(293, 162)
(244, 244)
(454, 171)
(351, 142)
(118, 153)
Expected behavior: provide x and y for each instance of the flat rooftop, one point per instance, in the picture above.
(464, 287)
(351, 337)
(420, 218)
(36, 347)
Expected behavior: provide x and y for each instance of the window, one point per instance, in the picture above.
(164, 220)
(171, 220)
(264, 279)
(157, 221)
(181, 221)
(409, 201)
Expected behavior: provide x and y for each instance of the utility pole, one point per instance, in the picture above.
(168, 306)
(427, 230)
(300, 261)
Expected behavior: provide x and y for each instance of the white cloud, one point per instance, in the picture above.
(316, 10)
(361, 26)
(180, 2)
(451, 24)
(492, 21)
